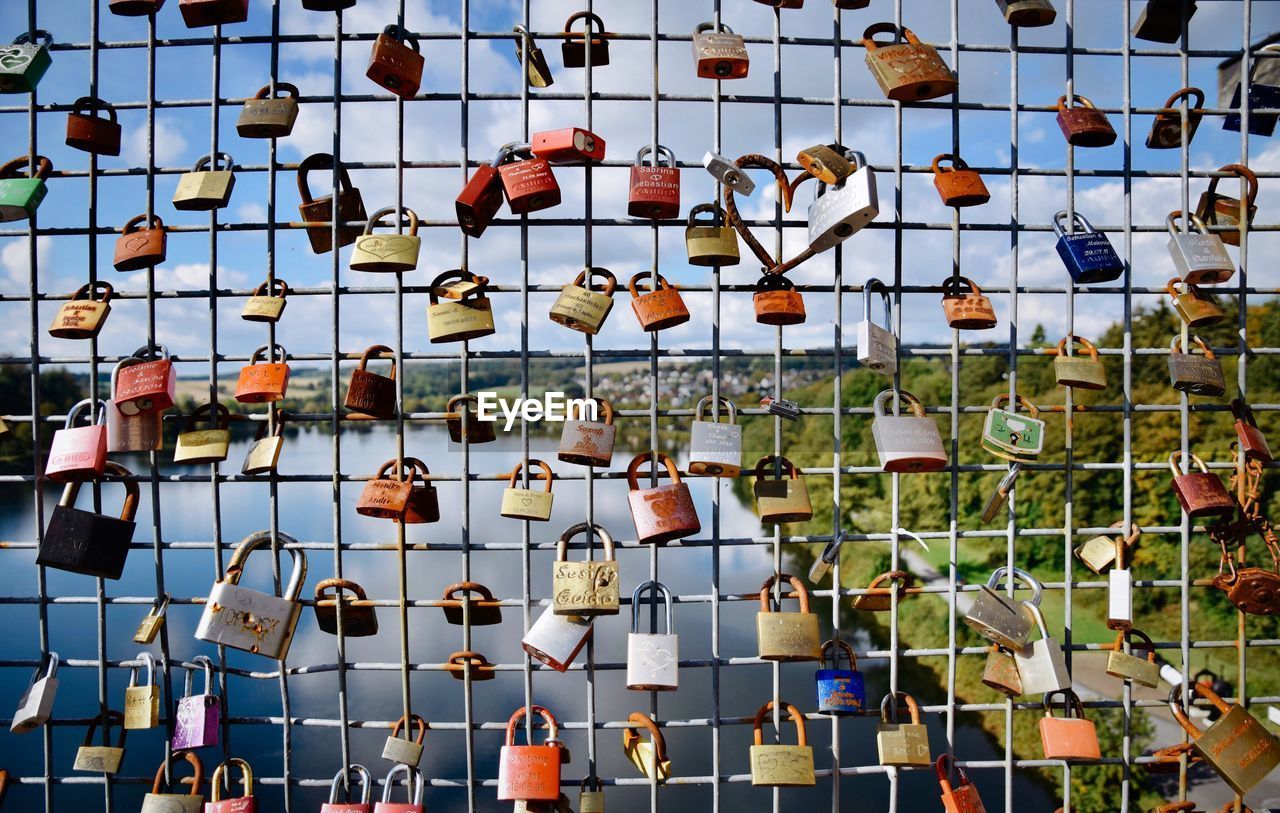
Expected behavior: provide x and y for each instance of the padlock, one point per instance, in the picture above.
(147, 387)
(906, 71)
(586, 588)
(838, 211)
(480, 199)
(160, 801)
(1086, 253)
(655, 189)
(1120, 589)
(649, 757)
(318, 212)
(24, 61)
(387, 253)
(1099, 552)
(965, 306)
(136, 8)
(1082, 124)
(1200, 258)
(200, 446)
(1253, 444)
(527, 180)
(1223, 211)
(102, 758)
(79, 453)
(84, 542)
(958, 185)
(879, 598)
(841, 692)
(369, 393)
(902, 744)
(1041, 663)
(36, 703)
(384, 497)
(1166, 130)
(359, 618)
(528, 503)
(473, 664)
(826, 162)
(787, 637)
(573, 50)
(781, 499)
(1264, 92)
(1252, 590)
(906, 443)
(199, 716)
(267, 302)
(140, 432)
(653, 658)
(719, 54)
(1200, 493)
(591, 801)
(783, 3)
(467, 315)
(1079, 372)
(557, 639)
(142, 703)
(202, 13)
(1023, 14)
(263, 455)
(587, 442)
(1169, 760)
(781, 766)
(247, 619)
(1001, 671)
(580, 307)
(1195, 306)
(396, 62)
(657, 309)
(530, 772)
(1192, 374)
(207, 186)
(92, 133)
(1068, 737)
(140, 247)
(571, 145)
(1161, 20)
(1121, 664)
(777, 302)
(414, 784)
(715, 447)
(264, 383)
(21, 191)
(406, 749)
(710, 244)
(1012, 436)
(350, 805)
(463, 424)
(660, 513)
(963, 798)
(268, 114)
(149, 626)
(997, 617)
(483, 608)
(728, 173)
(539, 72)
(877, 344)
(424, 500)
(245, 803)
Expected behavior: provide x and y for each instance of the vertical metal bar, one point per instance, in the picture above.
(837, 395)
(1013, 344)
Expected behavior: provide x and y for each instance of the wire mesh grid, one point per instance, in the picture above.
(477, 782)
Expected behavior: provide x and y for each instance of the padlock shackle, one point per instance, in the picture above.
(154, 352)
(459, 661)
(773, 282)
(131, 491)
(723, 29)
(1245, 174)
(1070, 703)
(781, 462)
(81, 406)
(874, 284)
(220, 779)
(218, 414)
(585, 277)
(400, 466)
(957, 163)
(706, 401)
(197, 776)
(212, 162)
(414, 721)
(33, 37)
(413, 782)
(340, 588)
(653, 587)
(14, 168)
(260, 539)
(1175, 695)
(717, 215)
(1003, 398)
(890, 701)
(797, 589)
(1242, 412)
(646, 277)
(1171, 222)
(544, 474)
(902, 577)
(631, 735)
(592, 530)
(1123, 636)
(381, 351)
(1038, 616)
(1193, 460)
(836, 646)
(1073, 101)
(134, 223)
(457, 399)
(593, 781)
(658, 154)
(290, 89)
(107, 719)
(402, 35)
(943, 765)
(149, 661)
(341, 780)
(633, 468)
(880, 404)
(437, 290)
(466, 587)
(1089, 346)
(48, 667)
(1074, 219)
(518, 715)
(1175, 346)
(593, 22)
(261, 354)
(387, 211)
(1185, 93)
(952, 287)
(869, 41)
(268, 288)
(206, 666)
(605, 406)
(91, 104)
(1000, 573)
(319, 160)
(793, 714)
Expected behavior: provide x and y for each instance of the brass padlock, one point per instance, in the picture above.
(782, 499)
(369, 393)
(580, 307)
(197, 446)
(388, 253)
(92, 133)
(395, 65)
(1082, 124)
(539, 72)
(263, 455)
(207, 186)
(719, 54)
(268, 114)
(826, 162)
(1236, 746)
(657, 309)
(528, 503)
(877, 597)
(787, 636)
(359, 618)
(777, 302)
(573, 50)
(467, 315)
(158, 801)
(102, 758)
(83, 316)
(149, 626)
(1162, 20)
(1079, 372)
(591, 801)
(1200, 258)
(1001, 671)
(781, 766)
(958, 185)
(1166, 130)
(407, 749)
(710, 244)
(1200, 493)
(1099, 552)
(586, 588)
(318, 213)
(267, 302)
(1195, 306)
(1195, 375)
(462, 422)
(908, 71)
(997, 617)
(1027, 13)
(902, 744)
(1123, 665)
(650, 757)
(142, 703)
(587, 442)
(1223, 212)
(965, 306)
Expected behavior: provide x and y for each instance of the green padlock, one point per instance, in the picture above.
(20, 194)
(23, 62)
(1013, 436)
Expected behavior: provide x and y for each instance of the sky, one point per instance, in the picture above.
(432, 133)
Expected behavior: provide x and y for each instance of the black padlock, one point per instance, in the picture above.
(81, 541)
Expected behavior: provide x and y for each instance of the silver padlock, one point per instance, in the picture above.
(653, 659)
(999, 618)
(1120, 589)
(140, 432)
(877, 346)
(341, 781)
(839, 211)
(36, 703)
(715, 448)
(406, 749)
(557, 639)
(249, 620)
(906, 443)
(414, 784)
(728, 173)
(1200, 257)
(1041, 664)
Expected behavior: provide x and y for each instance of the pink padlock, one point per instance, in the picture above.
(79, 452)
(199, 715)
(149, 386)
(413, 787)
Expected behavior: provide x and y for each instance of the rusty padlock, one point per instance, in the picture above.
(1224, 211)
(268, 114)
(965, 306)
(573, 50)
(908, 71)
(777, 302)
(203, 13)
(655, 189)
(572, 145)
(587, 442)
(138, 247)
(384, 497)
(388, 253)
(461, 421)
(267, 302)
(395, 65)
(318, 211)
(267, 382)
(878, 598)
(92, 133)
(359, 619)
(657, 309)
(1252, 590)
(660, 513)
(464, 663)
(135, 8)
(1082, 124)
(958, 185)
(484, 609)
(1197, 307)
(1025, 14)
(527, 180)
(580, 307)
(719, 54)
(424, 500)
(369, 393)
(1192, 374)
(1253, 444)
(1200, 493)
(82, 316)
(1166, 130)
(481, 197)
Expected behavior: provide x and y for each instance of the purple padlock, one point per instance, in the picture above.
(199, 716)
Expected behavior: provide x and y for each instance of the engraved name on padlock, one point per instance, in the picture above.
(1236, 746)
(585, 588)
(719, 54)
(902, 744)
(267, 303)
(965, 306)
(580, 307)
(142, 702)
(781, 766)
(83, 316)
(528, 503)
(715, 447)
(906, 443)
(530, 772)
(1200, 258)
(250, 620)
(653, 658)
(909, 71)
(587, 442)
(269, 114)
(877, 344)
(783, 636)
(220, 781)
(388, 253)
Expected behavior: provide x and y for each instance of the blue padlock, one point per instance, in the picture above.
(1260, 97)
(840, 691)
(1086, 253)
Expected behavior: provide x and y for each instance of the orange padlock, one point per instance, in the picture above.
(777, 301)
(90, 132)
(660, 308)
(147, 387)
(263, 383)
(957, 184)
(965, 306)
(530, 773)
(655, 189)
(137, 247)
(960, 799)
(527, 180)
(387, 498)
(1068, 737)
(572, 145)
(395, 65)
(480, 199)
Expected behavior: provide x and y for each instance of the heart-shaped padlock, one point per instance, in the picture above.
(785, 189)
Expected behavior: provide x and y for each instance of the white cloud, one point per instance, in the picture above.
(170, 145)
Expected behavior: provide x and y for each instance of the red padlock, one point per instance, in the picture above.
(655, 189)
(660, 308)
(91, 133)
(138, 248)
(201, 13)
(1084, 125)
(958, 185)
(147, 387)
(387, 498)
(530, 773)
(236, 804)
(527, 181)
(960, 799)
(572, 145)
(1252, 442)
(481, 198)
(395, 65)
(777, 301)
(79, 452)
(263, 383)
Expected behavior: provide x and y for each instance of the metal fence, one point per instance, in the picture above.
(844, 46)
